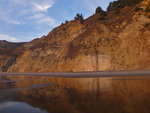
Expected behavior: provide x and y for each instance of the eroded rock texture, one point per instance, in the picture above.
(118, 42)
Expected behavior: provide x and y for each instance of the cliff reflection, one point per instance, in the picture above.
(84, 95)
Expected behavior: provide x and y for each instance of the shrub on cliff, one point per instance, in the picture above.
(102, 13)
(80, 18)
(138, 9)
(98, 10)
(147, 9)
(122, 3)
(147, 24)
(113, 5)
(129, 2)
(117, 12)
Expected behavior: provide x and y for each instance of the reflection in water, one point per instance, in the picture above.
(77, 95)
(18, 107)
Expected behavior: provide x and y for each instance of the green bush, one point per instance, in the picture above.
(147, 9)
(117, 12)
(102, 13)
(113, 5)
(99, 10)
(64, 29)
(147, 24)
(79, 17)
(129, 2)
(138, 9)
(122, 3)
(101, 18)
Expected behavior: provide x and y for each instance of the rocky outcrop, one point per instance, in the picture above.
(118, 42)
(8, 54)
(10, 61)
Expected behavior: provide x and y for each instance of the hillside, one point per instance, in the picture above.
(8, 53)
(119, 40)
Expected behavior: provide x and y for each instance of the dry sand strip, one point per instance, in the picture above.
(85, 74)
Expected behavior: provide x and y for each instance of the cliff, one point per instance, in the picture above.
(119, 40)
(8, 53)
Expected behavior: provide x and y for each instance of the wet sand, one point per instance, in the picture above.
(86, 74)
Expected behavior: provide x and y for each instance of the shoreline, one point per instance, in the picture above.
(84, 74)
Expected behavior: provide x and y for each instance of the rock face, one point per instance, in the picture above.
(118, 42)
(8, 54)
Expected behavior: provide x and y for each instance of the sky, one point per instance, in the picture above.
(25, 20)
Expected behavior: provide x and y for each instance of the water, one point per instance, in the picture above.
(22, 94)
(18, 107)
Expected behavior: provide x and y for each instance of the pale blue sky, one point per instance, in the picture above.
(24, 20)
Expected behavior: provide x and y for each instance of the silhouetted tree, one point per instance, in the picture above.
(147, 9)
(122, 3)
(101, 12)
(113, 5)
(98, 10)
(138, 9)
(80, 17)
(147, 24)
(117, 12)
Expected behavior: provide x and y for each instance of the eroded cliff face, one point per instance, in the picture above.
(8, 54)
(119, 42)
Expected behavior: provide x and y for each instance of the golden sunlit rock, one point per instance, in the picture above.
(118, 42)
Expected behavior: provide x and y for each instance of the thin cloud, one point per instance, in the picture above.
(6, 17)
(21, 14)
(48, 20)
(93, 4)
(9, 38)
(18, 2)
(20, 11)
(90, 4)
(42, 7)
(41, 18)
(10, 21)
(39, 10)
(36, 16)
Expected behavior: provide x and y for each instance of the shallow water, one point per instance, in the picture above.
(28, 94)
